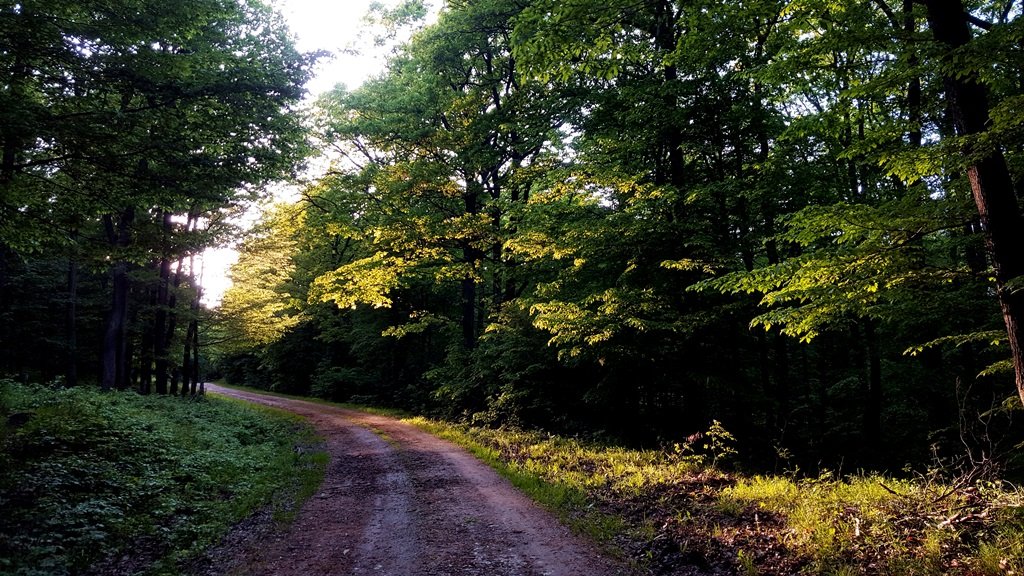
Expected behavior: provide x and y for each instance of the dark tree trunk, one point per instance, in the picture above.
(469, 311)
(991, 184)
(71, 377)
(129, 359)
(186, 360)
(470, 256)
(160, 335)
(195, 351)
(873, 394)
(146, 349)
(666, 39)
(914, 89)
(160, 329)
(781, 377)
(13, 141)
(172, 325)
(190, 366)
(188, 375)
(115, 372)
(114, 334)
(5, 327)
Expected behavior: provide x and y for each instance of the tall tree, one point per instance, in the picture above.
(992, 186)
(128, 112)
(438, 145)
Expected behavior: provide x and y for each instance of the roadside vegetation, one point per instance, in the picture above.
(682, 506)
(95, 482)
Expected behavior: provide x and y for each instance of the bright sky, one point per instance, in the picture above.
(336, 26)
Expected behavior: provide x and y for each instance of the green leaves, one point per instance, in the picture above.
(859, 262)
(259, 307)
(366, 281)
(90, 475)
(180, 110)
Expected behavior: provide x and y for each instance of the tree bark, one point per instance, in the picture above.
(914, 88)
(991, 184)
(115, 372)
(873, 397)
(186, 360)
(471, 255)
(172, 325)
(190, 357)
(194, 325)
(71, 376)
(160, 327)
(146, 348)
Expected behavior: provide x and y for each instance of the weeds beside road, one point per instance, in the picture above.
(671, 512)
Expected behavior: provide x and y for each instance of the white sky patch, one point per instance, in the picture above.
(216, 262)
(334, 26)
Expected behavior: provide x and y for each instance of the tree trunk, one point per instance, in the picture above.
(470, 256)
(914, 89)
(989, 176)
(129, 359)
(160, 328)
(192, 365)
(873, 396)
(5, 327)
(160, 332)
(664, 33)
(172, 325)
(114, 373)
(195, 350)
(146, 350)
(188, 375)
(114, 334)
(469, 310)
(71, 377)
(186, 360)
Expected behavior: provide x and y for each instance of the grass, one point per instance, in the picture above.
(138, 483)
(889, 526)
(664, 508)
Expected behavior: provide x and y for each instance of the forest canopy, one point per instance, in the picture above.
(799, 218)
(628, 220)
(131, 131)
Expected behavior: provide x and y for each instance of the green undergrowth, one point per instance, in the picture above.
(122, 483)
(872, 524)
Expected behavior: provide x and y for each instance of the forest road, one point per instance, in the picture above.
(397, 501)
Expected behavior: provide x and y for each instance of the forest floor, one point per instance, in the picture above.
(399, 501)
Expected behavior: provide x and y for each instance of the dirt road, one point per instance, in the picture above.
(397, 501)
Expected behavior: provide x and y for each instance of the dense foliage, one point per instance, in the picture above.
(134, 483)
(634, 218)
(130, 131)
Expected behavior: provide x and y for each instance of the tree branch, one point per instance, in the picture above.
(888, 13)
